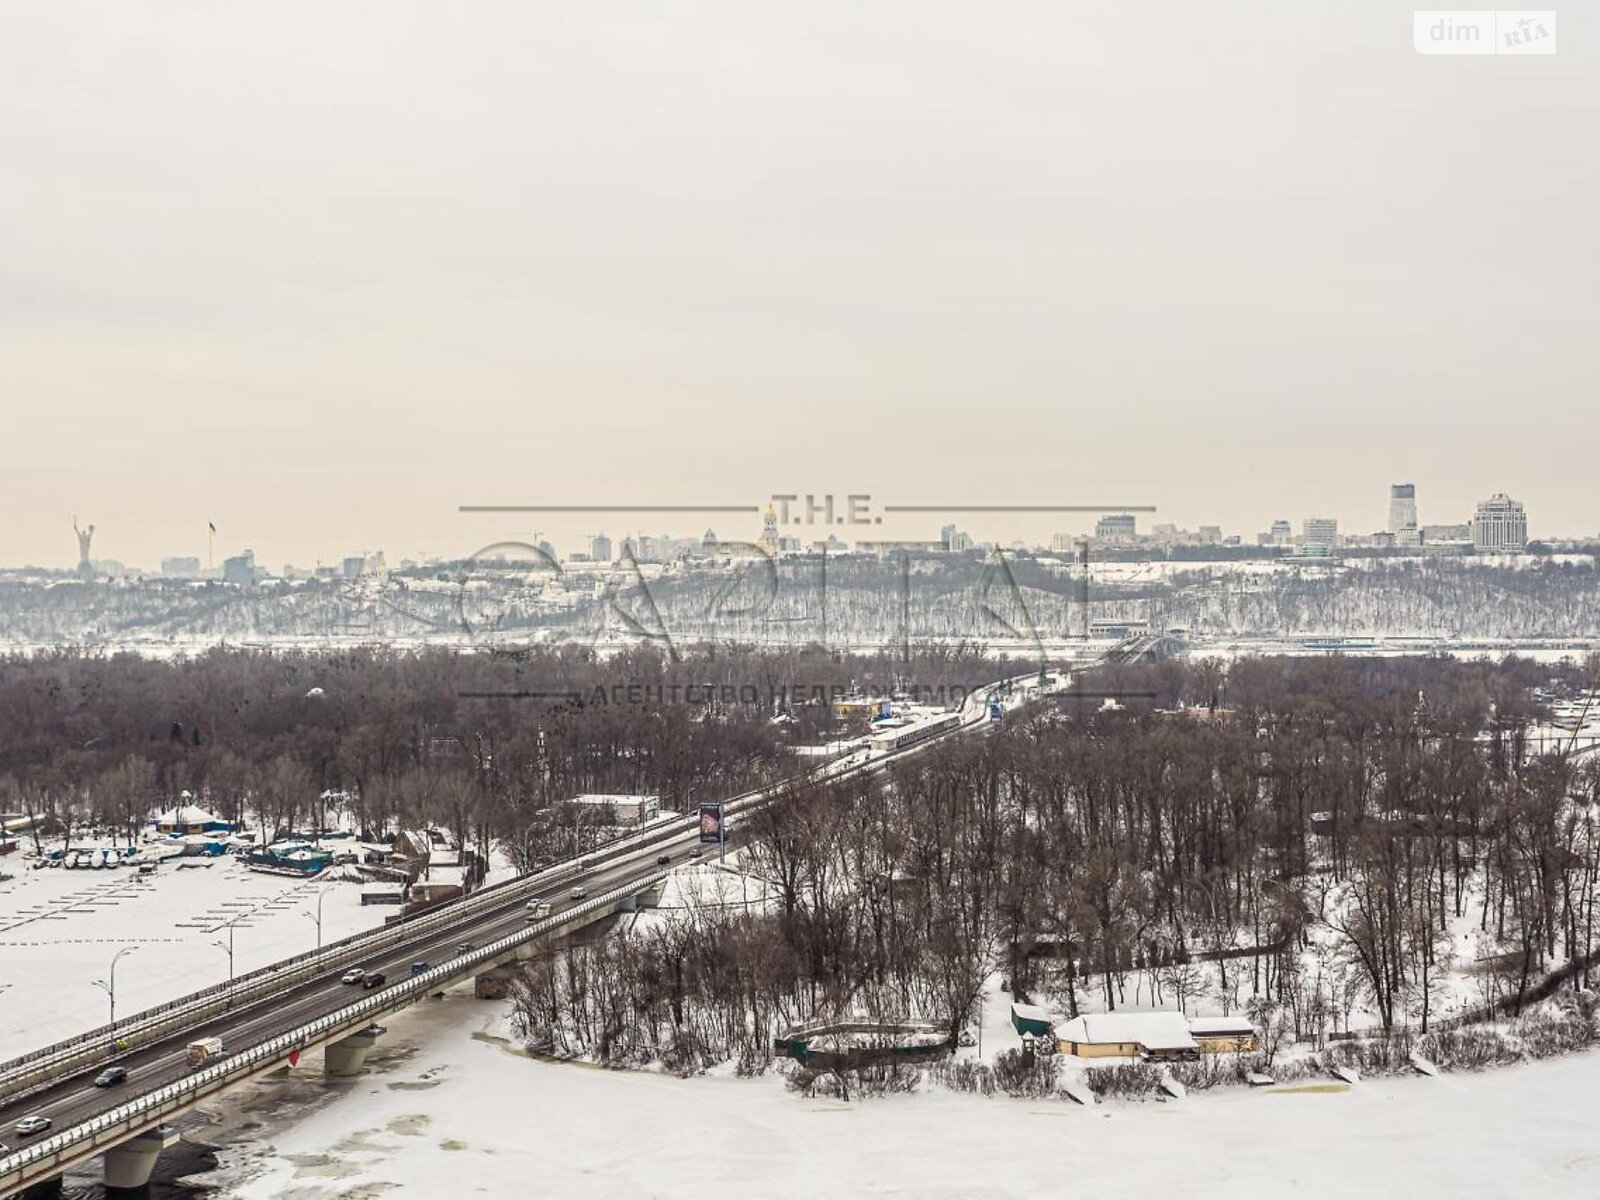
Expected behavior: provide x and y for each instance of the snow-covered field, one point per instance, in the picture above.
(453, 1109)
(59, 930)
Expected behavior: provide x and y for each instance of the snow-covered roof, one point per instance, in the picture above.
(1032, 1012)
(189, 814)
(1152, 1030)
(1220, 1026)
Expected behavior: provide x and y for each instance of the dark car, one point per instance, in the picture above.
(663, 859)
(418, 967)
(372, 979)
(111, 1076)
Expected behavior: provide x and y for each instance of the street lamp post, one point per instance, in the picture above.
(110, 988)
(321, 896)
(227, 946)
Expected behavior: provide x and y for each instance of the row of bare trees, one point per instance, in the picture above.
(486, 743)
(1333, 835)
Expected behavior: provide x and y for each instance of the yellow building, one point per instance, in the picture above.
(859, 706)
(1128, 1035)
(1155, 1035)
(1224, 1035)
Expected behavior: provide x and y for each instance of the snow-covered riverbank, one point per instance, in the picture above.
(454, 1110)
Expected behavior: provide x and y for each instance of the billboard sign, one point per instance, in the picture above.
(711, 829)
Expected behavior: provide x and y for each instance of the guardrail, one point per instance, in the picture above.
(57, 1153)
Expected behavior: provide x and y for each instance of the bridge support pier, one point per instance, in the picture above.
(129, 1164)
(345, 1058)
(494, 984)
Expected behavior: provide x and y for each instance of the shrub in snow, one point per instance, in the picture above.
(1570, 1022)
(964, 1075)
(873, 1079)
(684, 1054)
(751, 1063)
(1213, 1070)
(1130, 1081)
(1372, 1056)
(1015, 1076)
(1471, 1048)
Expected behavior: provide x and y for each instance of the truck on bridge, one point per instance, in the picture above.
(203, 1052)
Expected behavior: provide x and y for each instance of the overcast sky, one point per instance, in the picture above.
(322, 272)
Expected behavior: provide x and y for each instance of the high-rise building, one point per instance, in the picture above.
(241, 568)
(1116, 527)
(1319, 535)
(1403, 514)
(600, 548)
(954, 540)
(1500, 526)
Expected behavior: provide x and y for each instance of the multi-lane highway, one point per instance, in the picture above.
(74, 1098)
(66, 1095)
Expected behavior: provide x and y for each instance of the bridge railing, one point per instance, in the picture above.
(56, 1153)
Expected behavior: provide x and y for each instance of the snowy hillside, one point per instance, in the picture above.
(851, 602)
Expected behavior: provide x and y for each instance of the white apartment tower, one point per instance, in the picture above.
(1319, 535)
(1500, 526)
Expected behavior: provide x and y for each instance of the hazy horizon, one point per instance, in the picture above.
(323, 273)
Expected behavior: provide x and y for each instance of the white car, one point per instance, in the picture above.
(31, 1125)
(353, 975)
(579, 892)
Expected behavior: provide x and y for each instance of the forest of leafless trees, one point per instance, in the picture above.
(1344, 837)
(478, 742)
(1315, 841)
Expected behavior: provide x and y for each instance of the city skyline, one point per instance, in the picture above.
(1112, 527)
(1122, 257)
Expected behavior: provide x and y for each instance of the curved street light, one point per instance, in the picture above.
(321, 896)
(110, 989)
(227, 946)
